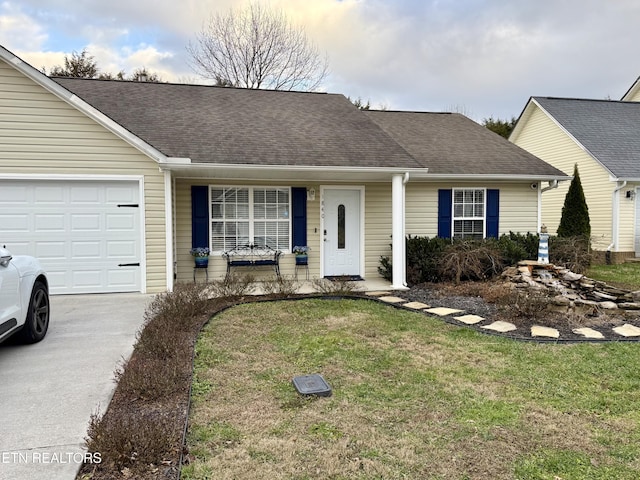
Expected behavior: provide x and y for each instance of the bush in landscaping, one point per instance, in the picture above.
(425, 256)
(517, 246)
(575, 212)
(131, 440)
(470, 260)
(280, 286)
(233, 286)
(337, 286)
(573, 253)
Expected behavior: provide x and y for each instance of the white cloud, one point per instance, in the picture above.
(485, 57)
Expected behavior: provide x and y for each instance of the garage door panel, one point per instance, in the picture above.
(77, 231)
(13, 222)
(14, 195)
(51, 250)
(124, 222)
(86, 195)
(51, 223)
(82, 222)
(52, 195)
(87, 250)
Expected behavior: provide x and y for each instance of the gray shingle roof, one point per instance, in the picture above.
(609, 130)
(262, 127)
(450, 143)
(239, 126)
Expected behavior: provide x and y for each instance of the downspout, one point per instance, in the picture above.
(552, 184)
(614, 220)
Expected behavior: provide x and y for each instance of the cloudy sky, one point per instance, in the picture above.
(483, 58)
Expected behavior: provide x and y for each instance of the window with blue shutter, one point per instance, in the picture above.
(469, 213)
(444, 213)
(199, 216)
(299, 216)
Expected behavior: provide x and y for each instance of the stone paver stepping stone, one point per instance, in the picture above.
(392, 299)
(378, 293)
(416, 305)
(500, 326)
(443, 311)
(627, 330)
(538, 331)
(470, 319)
(588, 332)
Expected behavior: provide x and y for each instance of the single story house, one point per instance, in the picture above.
(602, 137)
(111, 183)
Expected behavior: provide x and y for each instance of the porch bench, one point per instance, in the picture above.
(253, 256)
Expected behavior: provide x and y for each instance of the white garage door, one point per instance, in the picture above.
(86, 234)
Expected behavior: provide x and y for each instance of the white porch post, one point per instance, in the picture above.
(399, 277)
(168, 228)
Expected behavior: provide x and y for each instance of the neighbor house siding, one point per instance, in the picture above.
(41, 135)
(541, 136)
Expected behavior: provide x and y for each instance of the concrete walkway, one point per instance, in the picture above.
(49, 390)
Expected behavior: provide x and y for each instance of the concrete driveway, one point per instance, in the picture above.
(49, 390)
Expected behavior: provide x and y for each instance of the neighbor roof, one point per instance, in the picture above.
(450, 143)
(244, 127)
(609, 130)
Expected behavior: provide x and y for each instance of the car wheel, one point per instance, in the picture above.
(37, 322)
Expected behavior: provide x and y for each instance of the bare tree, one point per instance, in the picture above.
(257, 48)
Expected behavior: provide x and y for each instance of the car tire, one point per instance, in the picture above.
(37, 322)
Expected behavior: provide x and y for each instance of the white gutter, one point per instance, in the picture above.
(615, 200)
(552, 184)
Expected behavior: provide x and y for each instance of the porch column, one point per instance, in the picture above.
(399, 277)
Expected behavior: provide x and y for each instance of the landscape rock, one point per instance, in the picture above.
(573, 291)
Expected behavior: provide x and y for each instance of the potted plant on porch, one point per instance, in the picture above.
(302, 254)
(201, 256)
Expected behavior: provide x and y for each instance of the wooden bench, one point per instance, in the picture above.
(253, 256)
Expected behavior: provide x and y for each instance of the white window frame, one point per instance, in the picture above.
(251, 219)
(462, 218)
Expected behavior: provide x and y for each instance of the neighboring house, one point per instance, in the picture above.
(111, 183)
(633, 94)
(603, 138)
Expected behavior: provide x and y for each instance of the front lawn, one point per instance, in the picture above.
(413, 397)
(624, 275)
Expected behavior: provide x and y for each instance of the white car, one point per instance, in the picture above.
(24, 298)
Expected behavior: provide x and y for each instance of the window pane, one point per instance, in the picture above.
(341, 226)
(231, 213)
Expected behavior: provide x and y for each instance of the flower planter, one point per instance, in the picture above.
(201, 262)
(302, 259)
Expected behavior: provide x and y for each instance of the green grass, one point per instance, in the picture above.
(413, 398)
(625, 275)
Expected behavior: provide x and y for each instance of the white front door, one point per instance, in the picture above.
(637, 229)
(342, 231)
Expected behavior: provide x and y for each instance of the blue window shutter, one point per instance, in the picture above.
(199, 216)
(444, 213)
(299, 216)
(493, 213)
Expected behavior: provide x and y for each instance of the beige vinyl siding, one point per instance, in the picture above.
(541, 136)
(518, 206)
(627, 210)
(518, 213)
(42, 135)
